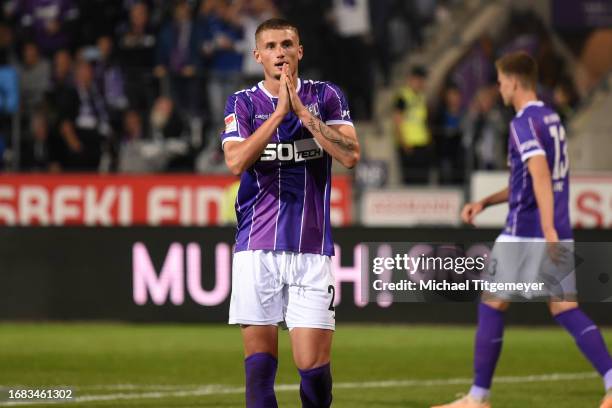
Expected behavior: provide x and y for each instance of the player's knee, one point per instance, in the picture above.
(260, 339)
(255, 346)
(308, 362)
(560, 307)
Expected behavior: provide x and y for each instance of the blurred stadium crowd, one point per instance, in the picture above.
(465, 127)
(140, 85)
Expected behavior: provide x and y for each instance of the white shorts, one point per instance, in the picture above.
(525, 260)
(272, 287)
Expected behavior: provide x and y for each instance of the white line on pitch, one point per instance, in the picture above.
(223, 389)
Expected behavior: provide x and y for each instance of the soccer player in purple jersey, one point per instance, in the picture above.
(537, 195)
(281, 136)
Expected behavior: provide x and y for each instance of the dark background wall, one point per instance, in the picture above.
(79, 273)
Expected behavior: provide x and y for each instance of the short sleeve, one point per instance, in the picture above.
(237, 119)
(335, 107)
(525, 138)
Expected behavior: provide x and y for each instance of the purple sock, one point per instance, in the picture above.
(316, 387)
(488, 346)
(588, 338)
(260, 369)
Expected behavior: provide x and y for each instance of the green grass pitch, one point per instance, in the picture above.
(167, 366)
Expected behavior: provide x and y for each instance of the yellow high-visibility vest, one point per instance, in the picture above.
(413, 129)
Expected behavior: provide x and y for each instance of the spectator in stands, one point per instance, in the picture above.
(39, 148)
(83, 122)
(98, 18)
(313, 19)
(170, 129)
(9, 90)
(8, 10)
(51, 23)
(252, 14)
(110, 80)
(62, 69)
(485, 128)
(132, 126)
(176, 58)
(475, 70)
(380, 15)
(411, 129)
(62, 81)
(138, 154)
(352, 22)
(137, 45)
(34, 78)
(159, 10)
(564, 99)
(223, 46)
(447, 133)
(166, 121)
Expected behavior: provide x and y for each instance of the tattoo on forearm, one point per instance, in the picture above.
(337, 138)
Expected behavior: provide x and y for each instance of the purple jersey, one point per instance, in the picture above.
(283, 200)
(537, 130)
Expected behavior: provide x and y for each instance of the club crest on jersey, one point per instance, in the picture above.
(298, 151)
(230, 123)
(313, 108)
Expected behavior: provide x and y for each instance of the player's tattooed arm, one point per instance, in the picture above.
(339, 141)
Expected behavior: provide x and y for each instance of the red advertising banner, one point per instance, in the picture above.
(126, 200)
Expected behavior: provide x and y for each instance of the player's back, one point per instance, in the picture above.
(537, 130)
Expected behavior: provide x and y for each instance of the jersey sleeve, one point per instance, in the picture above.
(335, 107)
(525, 138)
(237, 120)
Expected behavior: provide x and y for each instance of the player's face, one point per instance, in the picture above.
(278, 47)
(507, 87)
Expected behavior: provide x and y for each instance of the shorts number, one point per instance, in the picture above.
(332, 290)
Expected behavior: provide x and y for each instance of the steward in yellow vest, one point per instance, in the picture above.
(411, 129)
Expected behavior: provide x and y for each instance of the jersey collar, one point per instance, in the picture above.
(528, 104)
(269, 95)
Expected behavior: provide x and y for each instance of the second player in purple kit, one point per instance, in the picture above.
(538, 220)
(537, 130)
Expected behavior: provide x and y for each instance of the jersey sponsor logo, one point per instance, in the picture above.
(307, 149)
(300, 150)
(230, 123)
(262, 116)
(345, 114)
